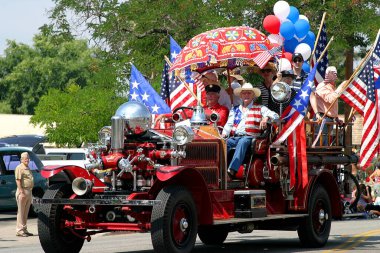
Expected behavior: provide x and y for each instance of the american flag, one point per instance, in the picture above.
(324, 63)
(362, 95)
(172, 90)
(141, 90)
(294, 130)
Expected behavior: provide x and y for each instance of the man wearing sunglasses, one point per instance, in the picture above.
(300, 74)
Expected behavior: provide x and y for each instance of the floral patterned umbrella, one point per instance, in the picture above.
(227, 47)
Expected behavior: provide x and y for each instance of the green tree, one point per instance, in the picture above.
(74, 116)
(137, 30)
(28, 73)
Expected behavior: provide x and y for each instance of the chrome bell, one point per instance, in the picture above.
(199, 116)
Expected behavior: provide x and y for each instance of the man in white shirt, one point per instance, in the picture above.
(244, 123)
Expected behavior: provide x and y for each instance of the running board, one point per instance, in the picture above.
(269, 217)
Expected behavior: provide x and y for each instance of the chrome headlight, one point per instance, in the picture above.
(183, 134)
(105, 135)
(281, 92)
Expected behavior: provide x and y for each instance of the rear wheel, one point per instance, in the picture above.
(314, 231)
(212, 235)
(174, 221)
(53, 235)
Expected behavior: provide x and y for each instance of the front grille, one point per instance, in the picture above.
(210, 175)
(204, 157)
(202, 154)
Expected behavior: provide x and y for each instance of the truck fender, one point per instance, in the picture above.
(71, 172)
(327, 180)
(193, 181)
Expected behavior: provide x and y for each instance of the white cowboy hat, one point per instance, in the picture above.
(247, 87)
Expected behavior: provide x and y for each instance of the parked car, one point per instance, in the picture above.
(34, 142)
(65, 156)
(9, 159)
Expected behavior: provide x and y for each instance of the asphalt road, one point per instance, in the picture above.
(357, 235)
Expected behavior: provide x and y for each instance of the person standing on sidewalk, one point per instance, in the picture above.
(24, 181)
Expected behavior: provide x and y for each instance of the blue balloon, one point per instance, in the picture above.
(290, 45)
(306, 67)
(287, 30)
(302, 27)
(293, 14)
(309, 39)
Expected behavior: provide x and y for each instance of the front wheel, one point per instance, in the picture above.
(54, 237)
(314, 231)
(174, 221)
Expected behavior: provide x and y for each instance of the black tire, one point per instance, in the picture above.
(52, 234)
(174, 221)
(212, 235)
(34, 208)
(314, 231)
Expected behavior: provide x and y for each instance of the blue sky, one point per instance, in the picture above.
(20, 20)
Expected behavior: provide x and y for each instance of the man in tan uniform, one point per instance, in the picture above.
(24, 181)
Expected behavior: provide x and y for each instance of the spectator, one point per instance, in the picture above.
(245, 122)
(365, 197)
(24, 182)
(375, 176)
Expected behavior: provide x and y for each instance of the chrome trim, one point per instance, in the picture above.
(93, 202)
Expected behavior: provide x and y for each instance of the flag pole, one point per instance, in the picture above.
(318, 35)
(183, 81)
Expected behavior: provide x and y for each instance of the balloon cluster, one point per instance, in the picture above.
(291, 30)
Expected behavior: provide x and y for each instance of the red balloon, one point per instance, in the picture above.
(288, 56)
(272, 24)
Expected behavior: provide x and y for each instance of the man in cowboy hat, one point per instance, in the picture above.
(244, 123)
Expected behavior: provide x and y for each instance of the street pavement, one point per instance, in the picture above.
(353, 235)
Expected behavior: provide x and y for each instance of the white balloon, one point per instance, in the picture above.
(284, 64)
(303, 17)
(276, 38)
(281, 9)
(303, 49)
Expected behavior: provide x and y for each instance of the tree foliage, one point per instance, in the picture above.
(28, 72)
(75, 116)
(136, 30)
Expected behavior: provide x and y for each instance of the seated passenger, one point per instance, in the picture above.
(212, 78)
(212, 97)
(245, 122)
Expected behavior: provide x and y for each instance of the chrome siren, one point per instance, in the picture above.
(137, 117)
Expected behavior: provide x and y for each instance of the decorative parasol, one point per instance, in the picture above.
(227, 47)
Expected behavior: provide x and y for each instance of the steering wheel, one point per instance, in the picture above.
(183, 108)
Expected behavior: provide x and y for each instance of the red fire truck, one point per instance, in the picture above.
(173, 183)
